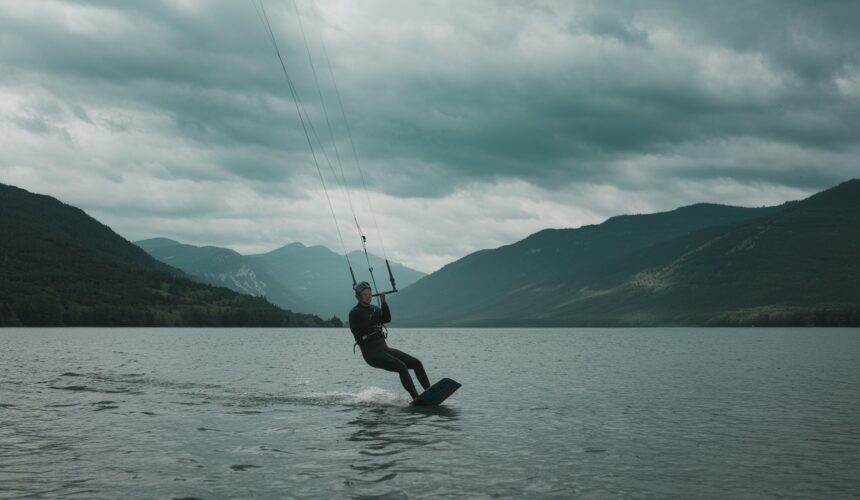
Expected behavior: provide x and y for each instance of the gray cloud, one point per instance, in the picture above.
(562, 100)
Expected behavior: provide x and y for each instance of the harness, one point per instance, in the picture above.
(381, 330)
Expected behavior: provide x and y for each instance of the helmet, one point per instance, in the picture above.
(359, 287)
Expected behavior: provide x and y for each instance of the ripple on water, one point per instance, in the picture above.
(260, 450)
(102, 390)
(387, 477)
(78, 388)
(244, 467)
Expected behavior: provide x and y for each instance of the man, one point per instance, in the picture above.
(366, 323)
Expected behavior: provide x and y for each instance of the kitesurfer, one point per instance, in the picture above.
(366, 323)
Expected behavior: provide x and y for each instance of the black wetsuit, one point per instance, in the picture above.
(366, 322)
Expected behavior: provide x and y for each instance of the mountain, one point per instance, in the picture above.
(307, 278)
(321, 277)
(491, 286)
(798, 266)
(224, 267)
(703, 264)
(61, 267)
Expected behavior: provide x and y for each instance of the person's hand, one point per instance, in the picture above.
(382, 296)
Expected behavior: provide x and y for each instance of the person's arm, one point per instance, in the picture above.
(386, 312)
(357, 325)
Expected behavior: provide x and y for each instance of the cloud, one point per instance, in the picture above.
(475, 124)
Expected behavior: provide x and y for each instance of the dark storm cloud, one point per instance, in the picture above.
(630, 80)
(814, 41)
(561, 96)
(545, 112)
(208, 69)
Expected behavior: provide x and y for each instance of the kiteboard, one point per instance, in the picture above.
(438, 392)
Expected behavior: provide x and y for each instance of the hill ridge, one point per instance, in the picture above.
(61, 267)
(620, 269)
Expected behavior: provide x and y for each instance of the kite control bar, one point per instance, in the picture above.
(391, 278)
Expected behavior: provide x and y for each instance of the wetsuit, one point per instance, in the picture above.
(366, 322)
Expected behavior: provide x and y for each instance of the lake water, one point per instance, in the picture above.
(547, 413)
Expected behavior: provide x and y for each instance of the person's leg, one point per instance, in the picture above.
(385, 361)
(413, 363)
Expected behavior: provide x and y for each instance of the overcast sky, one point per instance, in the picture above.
(476, 123)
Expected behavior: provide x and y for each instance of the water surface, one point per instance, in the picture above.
(548, 413)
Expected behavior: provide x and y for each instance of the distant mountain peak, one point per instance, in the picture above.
(288, 249)
(156, 242)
